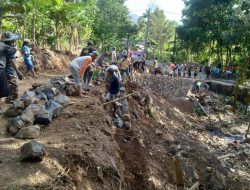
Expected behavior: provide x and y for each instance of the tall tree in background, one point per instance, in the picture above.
(161, 33)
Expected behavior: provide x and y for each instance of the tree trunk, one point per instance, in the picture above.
(57, 33)
(1, 17)
(71, 38)
(34, 28)
(24, 27)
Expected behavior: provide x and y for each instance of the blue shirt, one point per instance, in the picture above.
(26, 51)
(114, 85)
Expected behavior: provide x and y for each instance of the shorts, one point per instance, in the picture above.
(75, 74)
(110, 97)
(29, 64)
(4, 87)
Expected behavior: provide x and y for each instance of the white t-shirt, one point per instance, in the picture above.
(114, 58)
(78, 62)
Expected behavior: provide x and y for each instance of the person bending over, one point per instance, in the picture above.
(78, 67)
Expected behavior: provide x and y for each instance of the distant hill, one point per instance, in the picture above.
(134, 18)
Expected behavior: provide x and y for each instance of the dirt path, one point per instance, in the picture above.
(84, 150)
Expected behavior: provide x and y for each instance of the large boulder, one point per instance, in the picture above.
(30, 132)
(36, 109)
(18, 104)
(54, 108)
(41, 115)
(62, 99)
(12, 112)
(28, 116)
(29, 97)
(32, 151)
(48, 90)
(70, 90)
(15, 124)
(43, 118)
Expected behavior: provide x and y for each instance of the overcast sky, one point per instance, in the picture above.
(172, 8)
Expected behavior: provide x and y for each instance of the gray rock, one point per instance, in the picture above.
(12, 112)
(28, 116)
(117, 122)
(70, 90)
(41, 115)
(41, 96)
(168, 137)
(191, 175)
(54, 108)
(36, 109)
(48, 90)
(62, 99)
(30, 132)
(124, 107)
(18, 104)
(29, 97)
(44, 118)
(15, 124)
(32, 151)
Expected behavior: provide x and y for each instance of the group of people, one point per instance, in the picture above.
(119, 70)
(9, 72)
(82, 68)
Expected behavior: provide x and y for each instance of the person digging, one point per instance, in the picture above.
(113, 87)
(78, 67)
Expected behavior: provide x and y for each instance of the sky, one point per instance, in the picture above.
(172, 8)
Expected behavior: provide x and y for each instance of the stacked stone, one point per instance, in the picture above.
(38, 106)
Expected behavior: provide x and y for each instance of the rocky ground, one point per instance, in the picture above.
(82, 148)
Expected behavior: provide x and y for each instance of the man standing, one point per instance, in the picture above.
(125, 67)
(5, 52)
(155, 66)
(78, 68)
(11, 69)
(88, 50)
(113, 57)
(27, 57)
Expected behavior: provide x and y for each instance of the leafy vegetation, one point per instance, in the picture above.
(215, 28)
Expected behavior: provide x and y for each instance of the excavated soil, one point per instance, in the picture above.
(85, 151)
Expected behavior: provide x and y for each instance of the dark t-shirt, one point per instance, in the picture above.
(114, 85)
(87, 50)
(6, 52)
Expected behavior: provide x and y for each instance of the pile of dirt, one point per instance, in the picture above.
(46, 59)
(85, 151)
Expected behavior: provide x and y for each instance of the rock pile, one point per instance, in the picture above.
(168, 87)
(39, 106)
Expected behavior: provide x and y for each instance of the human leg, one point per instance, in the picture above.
(77, 80)
(13, 87)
